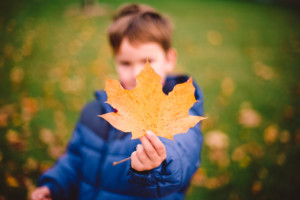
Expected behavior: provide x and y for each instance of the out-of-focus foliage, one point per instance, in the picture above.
(245, 55)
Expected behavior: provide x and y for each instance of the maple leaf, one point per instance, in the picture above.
(146, 107)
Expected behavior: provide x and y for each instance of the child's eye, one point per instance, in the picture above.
(125, 63)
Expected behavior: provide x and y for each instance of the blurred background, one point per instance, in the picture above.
(244, 54)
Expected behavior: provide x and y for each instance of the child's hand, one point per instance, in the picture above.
(150, 154)
(41, 193)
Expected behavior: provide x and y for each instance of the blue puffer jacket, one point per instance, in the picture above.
(86, 172)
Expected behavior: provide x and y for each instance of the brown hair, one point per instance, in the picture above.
(140, 24)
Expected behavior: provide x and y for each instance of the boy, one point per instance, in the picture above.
(159, 168)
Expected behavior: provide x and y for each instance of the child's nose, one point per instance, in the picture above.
(138, 69)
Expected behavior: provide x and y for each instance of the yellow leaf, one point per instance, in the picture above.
(146, 107)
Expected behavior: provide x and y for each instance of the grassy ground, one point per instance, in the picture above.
(245, 56)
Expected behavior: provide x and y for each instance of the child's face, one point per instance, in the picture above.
(130, 60)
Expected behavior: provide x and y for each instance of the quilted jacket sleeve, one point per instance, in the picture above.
(63, 178)
(183, 159)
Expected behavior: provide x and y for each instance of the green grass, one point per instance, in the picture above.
(244, 55)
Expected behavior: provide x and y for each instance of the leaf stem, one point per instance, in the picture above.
(115, 163)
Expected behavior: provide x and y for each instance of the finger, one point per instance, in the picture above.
(156, 143)
(33, 197)
(45, 189)
(141, 155)
(149, 149)
(46, 198)
(46, 192)
(135, 163)
(36, 194)
(41, 193)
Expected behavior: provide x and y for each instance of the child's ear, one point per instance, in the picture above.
(172, 59)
